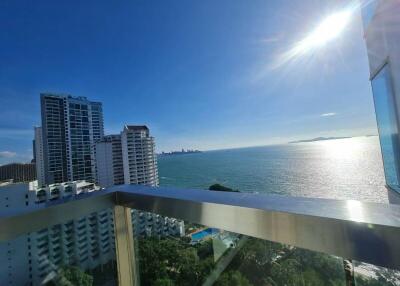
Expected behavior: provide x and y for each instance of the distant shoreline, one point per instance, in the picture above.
(166, 154)
(319, 139)
(329, 138)
(173, 153)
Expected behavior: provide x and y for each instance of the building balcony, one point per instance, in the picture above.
(103, 221)
(43, 243)
(69, 244)
(68, 189)
(55, 239)
(69, 232)
(226, 229)
(43, 252)
(93, 225)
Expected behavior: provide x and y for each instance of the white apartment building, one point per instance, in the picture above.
(110, 169)
(139, 156)
(150, 224)
(130, 158)
(34, 258)
(39, 159)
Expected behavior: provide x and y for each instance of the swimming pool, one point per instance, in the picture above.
(204, 233)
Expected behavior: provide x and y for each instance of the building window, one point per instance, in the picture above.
(387, 125)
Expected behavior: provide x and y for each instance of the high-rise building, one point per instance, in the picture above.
(39, 159)
(33, 258)
(70, 127)
(139, 156)
(130, 158)
(18, 172)
(110, 169)
(34, 150)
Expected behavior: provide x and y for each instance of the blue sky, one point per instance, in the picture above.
(200, 74)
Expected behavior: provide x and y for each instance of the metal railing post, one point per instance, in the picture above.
(124, 247)
(349, 272)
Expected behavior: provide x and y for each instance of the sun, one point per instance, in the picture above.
(330, 28)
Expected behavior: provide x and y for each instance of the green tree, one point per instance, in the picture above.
(206, 266)
(164, 282)
(164, 261)
(152, 259)
(267, 263)
(205, 249)
(71, 275)
(232, 278)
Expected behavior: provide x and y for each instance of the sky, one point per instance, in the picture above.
(201, 74)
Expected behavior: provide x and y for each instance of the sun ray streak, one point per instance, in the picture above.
(327, 30)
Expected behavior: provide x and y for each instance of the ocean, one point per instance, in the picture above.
(348, 168)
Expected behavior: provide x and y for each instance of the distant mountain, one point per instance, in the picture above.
(319, 139)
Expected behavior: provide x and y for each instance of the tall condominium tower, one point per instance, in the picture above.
(139, 157)
(70, 127)
(39, 159)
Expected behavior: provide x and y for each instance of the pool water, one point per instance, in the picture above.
(204, 233)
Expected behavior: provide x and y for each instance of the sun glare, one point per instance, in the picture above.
(329, 29)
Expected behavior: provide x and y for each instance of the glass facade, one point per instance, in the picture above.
(368, 11)
(387, 125)
(80, 142)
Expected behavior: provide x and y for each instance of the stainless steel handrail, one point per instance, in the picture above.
(366, 232)
(355, 230)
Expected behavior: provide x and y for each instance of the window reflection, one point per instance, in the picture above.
(387, 125)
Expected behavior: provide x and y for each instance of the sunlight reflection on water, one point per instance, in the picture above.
(340, 169)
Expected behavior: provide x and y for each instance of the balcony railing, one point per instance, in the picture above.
(353, 230)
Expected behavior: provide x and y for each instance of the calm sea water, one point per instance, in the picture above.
(340, 169)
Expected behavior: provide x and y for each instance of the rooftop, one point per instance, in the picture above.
(136, 127)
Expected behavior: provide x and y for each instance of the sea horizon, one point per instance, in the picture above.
(297, 141)
(349, 168)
